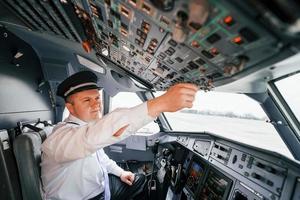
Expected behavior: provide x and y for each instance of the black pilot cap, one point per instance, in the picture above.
(80, 81)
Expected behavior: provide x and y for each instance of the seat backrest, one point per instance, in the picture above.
(27, 150)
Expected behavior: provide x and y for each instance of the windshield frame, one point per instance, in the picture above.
(284, 106)
(291, 132)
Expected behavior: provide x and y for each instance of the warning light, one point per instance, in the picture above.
(86, 46)
(214, 51)
(237, 40)
(229, 21)
(195, 44)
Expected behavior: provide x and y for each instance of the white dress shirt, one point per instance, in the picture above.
(72, 153)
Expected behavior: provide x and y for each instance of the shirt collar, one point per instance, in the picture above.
(74, 119)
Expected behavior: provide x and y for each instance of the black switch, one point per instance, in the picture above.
(248, 34)
(243, 157)
(223, 149)
(184, 70)
(162, 55)
(118, 16)
(170, 51)
(194, 25)
(216, 75)
(207, 54)
(115, 14)
(200, 61)
(250, 162)
(166, 68)
(100, 27)
(172, 42)
(110, 23)
(139, 32)
(170, 62)
(171, 75)
(256, 176)
(178, 59)
(192, 66)
(99, 13)
(260, 165)
(124, 26)
(271, 170)
(234, 159)
(270, 183)
(213, 38)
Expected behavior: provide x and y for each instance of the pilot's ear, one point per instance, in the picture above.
(70, 107)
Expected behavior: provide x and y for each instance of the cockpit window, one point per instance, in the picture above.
(288, 87)
(233, 116)
(128, 100)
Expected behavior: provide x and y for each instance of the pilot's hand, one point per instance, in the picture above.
(179, 96)
(127, 177)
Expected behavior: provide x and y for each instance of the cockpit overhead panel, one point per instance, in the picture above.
(160, 42)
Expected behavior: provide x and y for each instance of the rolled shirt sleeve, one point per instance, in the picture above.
(69, 142)
(111, 166)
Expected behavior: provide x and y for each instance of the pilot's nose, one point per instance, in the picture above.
(95, 104)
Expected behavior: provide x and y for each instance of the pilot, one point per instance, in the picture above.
(74, 165)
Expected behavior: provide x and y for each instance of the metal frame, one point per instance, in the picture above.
(283, 119)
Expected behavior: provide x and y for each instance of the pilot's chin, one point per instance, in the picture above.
(97, 115)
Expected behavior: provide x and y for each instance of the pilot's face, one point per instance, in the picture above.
(85, 105)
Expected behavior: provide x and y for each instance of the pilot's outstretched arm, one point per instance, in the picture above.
(69, 143)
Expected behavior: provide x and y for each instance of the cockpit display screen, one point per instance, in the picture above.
(216, 187)
(195, 175)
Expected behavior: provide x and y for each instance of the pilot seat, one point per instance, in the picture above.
(27, 150)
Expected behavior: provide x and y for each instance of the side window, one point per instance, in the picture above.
(290, 93)
(128, 100)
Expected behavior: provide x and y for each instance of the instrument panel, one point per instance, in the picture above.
(161, 42)
(230, 170)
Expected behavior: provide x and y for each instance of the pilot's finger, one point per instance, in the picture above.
(189, 98)
(127, 181)
(188, 92)
(131, 178)
(188, 85)
(189, 104)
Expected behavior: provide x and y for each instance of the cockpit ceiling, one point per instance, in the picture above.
(163, 42)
